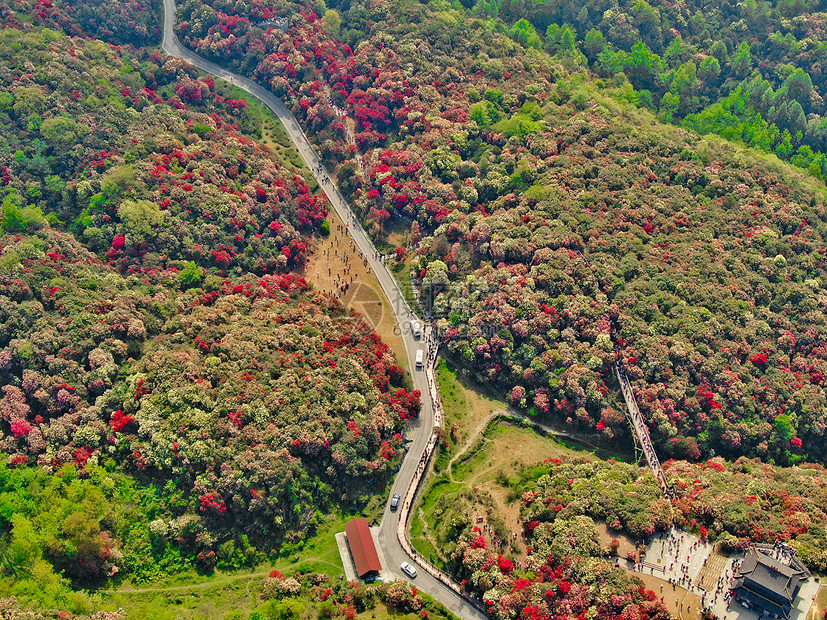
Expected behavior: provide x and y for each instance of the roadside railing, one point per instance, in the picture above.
(403, 525)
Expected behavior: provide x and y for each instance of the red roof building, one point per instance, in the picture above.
(362, 549)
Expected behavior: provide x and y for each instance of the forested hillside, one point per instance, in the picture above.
(752, 71)
(175, 395)
(568, 569)
(701, 255)
(115, 21)
(157, 350)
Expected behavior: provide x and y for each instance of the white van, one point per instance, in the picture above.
(416, 329)
(420, 355)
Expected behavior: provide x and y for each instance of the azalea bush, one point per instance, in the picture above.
(264, 402)
(565, 574)
(567, 571)
(119, 21)
(734, 503)
(153, 323)
(559, 229)
(157, 184)
(272, 403)
(323, 597)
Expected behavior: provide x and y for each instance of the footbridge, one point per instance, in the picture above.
(641, 432)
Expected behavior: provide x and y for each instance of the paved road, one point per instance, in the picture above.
(420, 431)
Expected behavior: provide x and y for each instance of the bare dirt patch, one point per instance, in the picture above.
(681, 603)
(819, 609)
(338, 268)
(626, 544)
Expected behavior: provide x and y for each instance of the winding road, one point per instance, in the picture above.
(393, 550)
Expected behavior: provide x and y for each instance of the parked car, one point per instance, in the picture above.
(395, 501)
(416, 329)
(420, 356)
(409, 570)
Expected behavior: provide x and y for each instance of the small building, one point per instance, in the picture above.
(770, 577)
(362, 549)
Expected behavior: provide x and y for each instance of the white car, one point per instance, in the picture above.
(409, 570)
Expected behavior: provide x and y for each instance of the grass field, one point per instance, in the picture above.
(380, 612)
(224, 595)
(222, 600)
(439, 490)
(476, 485)
(466, 411)
(481, 452)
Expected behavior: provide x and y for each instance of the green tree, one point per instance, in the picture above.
(816, 133)
(494, 96)
(669, 107)
(348, 178)
(784, 426)
(567, 39)
(720, 52)
(784, 148)
(560, 39)
(61, 131)
(676, 53)
(28, 100)
(646, 19)
(191, 275)
(15, 218)
(799, 86)
(332, 23)
(643, 67)
(797, 120)
(611, 62)
(741, 63)
(709, 70)
(24, 546)
(685, 81)
(481, 113)
(140, 217)
(595, 43)
(523, 32)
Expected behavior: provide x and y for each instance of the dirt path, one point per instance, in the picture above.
(192, 586)
(500, 456)
(472, 439)
(213, 582)
(483, 424)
